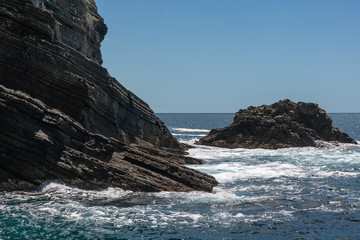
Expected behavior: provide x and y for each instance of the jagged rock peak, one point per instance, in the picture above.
(280, 125)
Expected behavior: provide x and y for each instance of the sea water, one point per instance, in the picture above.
(294, 193)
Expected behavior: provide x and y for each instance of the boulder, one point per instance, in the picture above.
(280, 125)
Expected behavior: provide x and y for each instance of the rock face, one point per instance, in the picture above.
(64, 118)
(280, 125)
(51, 51)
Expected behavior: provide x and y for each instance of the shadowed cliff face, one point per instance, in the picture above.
(51, 50)
(280, 125)
(75, 24)
(64, 118)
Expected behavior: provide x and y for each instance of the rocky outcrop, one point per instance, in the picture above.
(51, 51)
(280, 125)
(63, 117)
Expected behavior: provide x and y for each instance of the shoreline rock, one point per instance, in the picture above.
(63, 117)
(280, 125)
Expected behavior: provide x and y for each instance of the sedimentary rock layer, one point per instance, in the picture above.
(63, 117)
(41, 144)
(280, 125)
(51, 51)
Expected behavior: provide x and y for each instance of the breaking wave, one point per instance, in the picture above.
(191, 130)
(284, 193)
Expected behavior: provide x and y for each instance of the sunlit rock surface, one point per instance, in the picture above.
(280, 125)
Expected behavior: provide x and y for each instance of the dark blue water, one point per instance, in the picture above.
(296, 193)
(348, 122)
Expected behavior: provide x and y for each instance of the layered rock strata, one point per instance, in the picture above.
(51, 51)
(280, 125)
(63, 117)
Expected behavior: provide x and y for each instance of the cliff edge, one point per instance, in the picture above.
(63, 117)
(280, 125)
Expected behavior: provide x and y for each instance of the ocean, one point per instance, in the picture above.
(295, 193)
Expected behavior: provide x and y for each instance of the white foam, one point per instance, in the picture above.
(189, 142)
(259, 177)
(231, 165)
(344, 153)
(232, 172)
(219, 195)
(191, 130)
(189, 135)
(57, 190)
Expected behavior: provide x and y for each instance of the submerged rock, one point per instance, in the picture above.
(63, 117)
(280, 125)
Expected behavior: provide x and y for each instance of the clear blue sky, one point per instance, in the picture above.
(223, 55)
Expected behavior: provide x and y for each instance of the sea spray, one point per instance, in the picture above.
(281, 194)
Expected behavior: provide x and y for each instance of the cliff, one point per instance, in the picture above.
(280, 125)
(63, 117)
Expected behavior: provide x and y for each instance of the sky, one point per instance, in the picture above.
(218, 56)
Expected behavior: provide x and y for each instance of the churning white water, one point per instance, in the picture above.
(295, 193)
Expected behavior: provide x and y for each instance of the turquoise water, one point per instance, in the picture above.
(295, 193)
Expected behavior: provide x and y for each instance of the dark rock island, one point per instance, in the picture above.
(280, 125)
(64, 118)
